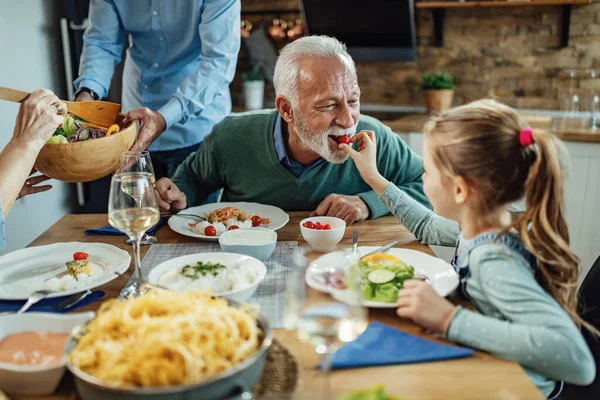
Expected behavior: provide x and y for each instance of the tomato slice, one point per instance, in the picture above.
(210, 231)
(232, 227)
(344, 139)
(309, 225)
(256, 220)
(80, 255)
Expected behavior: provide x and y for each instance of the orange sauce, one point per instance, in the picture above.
(33, 348)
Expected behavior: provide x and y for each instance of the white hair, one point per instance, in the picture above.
(287, 67)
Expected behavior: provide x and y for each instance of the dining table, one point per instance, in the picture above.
(480, 376)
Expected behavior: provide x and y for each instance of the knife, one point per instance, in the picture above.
(72, 300)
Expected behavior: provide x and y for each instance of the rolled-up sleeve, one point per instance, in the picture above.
(220, 37)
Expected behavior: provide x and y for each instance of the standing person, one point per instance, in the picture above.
(178, 68)
(520, 274)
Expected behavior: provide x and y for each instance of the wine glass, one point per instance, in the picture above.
(323, 321)
(139, 161)
(132, 209)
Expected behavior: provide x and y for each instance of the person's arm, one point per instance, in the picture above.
(428, 227)
(220, 37)
(39, 116)
(102, 47)
(198, 176)
(536, 332)
(397, 163)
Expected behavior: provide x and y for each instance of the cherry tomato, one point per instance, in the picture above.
(232, 227)
(309, 225)
(318, 226)
(326, 227)
(210, 231)
(343, 139)
(256, 220)
(80, 255)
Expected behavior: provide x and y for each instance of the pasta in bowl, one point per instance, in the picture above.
(167, 344)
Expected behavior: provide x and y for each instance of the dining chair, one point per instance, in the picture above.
(589, 309)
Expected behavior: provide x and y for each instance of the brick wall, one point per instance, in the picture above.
(511, 53)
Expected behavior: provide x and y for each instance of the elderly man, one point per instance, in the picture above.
(289, 157)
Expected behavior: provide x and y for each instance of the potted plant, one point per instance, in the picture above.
(439, 91)
(254, 89)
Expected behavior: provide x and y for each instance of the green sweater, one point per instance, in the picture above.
(239, 156)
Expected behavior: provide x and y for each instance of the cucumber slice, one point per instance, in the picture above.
(380, 276)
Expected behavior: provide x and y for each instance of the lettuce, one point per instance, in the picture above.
(69, 127)
(58, 139)
(387, 292)
(377, 392)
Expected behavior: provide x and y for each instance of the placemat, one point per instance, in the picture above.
(270, 295)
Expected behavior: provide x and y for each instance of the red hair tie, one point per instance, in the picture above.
(526, 137)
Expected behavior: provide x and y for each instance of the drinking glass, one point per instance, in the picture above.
(571, 103)
(593, 101)
(324, 321)
(139, 161)
(133, 209)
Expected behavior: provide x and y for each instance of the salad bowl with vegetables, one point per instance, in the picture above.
(381, 275)
(80, 151)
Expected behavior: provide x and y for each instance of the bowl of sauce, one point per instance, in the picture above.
(32, 349)
(255, 242)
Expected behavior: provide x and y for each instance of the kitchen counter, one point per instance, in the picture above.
(413, 123)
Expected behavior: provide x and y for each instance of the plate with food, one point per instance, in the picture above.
(382, 274)
(230, 275)
(221, 217)
(63, 268)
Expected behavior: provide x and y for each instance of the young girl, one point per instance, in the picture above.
(521, 275)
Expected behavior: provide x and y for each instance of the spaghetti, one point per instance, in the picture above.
(165, 338)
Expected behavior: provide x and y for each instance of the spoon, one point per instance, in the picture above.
(101, 113)
(34, 298)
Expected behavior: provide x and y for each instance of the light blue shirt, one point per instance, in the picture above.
(181, 60)
(289, 163)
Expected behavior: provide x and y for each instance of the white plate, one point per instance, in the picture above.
(24, 271)
(441, 274)
(278, 218)
(227, 259)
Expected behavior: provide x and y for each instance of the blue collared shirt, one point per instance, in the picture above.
(180, 62)
(289, 163)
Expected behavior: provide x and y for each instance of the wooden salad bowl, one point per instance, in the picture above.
(87, 160)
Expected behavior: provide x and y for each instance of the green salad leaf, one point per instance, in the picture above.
(386, 292)
(58, 139)
(376, 392)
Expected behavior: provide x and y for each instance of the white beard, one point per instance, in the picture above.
(318, 142)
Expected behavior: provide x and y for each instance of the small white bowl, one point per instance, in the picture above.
(321, 240)
(259, 243)
(36, 380)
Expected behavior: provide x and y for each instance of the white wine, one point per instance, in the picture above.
(136, 185)
(328, 324)
(134, 220)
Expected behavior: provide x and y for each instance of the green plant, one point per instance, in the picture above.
(253, 75)
(438, 81)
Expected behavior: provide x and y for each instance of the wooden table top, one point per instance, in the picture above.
(415, 122)
(476, 377)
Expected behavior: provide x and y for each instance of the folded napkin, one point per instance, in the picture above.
(110, 231)
(380, 344)
(14, 305)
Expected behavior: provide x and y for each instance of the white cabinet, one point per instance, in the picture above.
(582, 198)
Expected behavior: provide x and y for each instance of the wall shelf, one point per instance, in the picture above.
(438, 8)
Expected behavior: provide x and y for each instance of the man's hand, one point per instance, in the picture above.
(170, 198)
(84, 96)
(152, 124)
(349, 208)
(30, 185)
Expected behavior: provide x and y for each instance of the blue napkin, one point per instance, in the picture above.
(110, 231)
(380, 344)
(14, 305)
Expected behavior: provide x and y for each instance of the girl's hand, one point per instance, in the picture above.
(366, 159)
(418, 302)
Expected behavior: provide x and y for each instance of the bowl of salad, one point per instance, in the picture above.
(79, 151)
